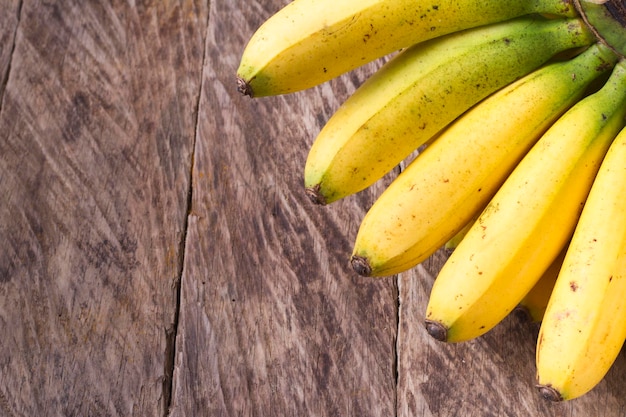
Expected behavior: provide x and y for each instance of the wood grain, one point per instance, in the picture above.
(272, 322)
(97, 130)
(159, 256)
(8, 24)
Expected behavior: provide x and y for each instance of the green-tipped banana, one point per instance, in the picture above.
(584, 326)
(422, 90)
(452, 180)
(309, 42)
(528, 221)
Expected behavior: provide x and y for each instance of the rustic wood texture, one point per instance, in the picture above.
(97, 127)
(271, 321)
(159, 256)
(8, 24)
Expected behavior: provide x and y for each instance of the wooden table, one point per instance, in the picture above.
(160, 258)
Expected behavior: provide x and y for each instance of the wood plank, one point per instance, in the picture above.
(96, 139)
(272, 322)
(238, 334)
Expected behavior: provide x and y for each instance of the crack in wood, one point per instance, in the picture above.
(396, 358)
(172, 333)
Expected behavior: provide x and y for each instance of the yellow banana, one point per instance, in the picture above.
(533, 305)
(309, 42)
(528, 221)
(584, 326)
(452, 180)
(420, 91)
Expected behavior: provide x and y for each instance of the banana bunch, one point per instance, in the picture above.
(517, 113)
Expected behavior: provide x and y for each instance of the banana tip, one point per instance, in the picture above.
(361, 266)
(549, 393)
(437, 330)
(315, 196)
(523, 314)
(244, 88)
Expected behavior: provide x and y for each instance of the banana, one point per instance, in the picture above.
(533, 305)
(309, 42)
(452, 180)
(530, 218)
(420, 91)
(584, 326)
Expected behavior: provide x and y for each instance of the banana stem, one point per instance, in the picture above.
(607, 20)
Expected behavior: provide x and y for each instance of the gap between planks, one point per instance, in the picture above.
(172, 333)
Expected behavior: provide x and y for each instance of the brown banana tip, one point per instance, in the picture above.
(437, 330)
(244, 88)
(361, 266)
(549, 393)
(523, 314)
(315, 196)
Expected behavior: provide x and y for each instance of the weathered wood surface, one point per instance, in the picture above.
(96, 138)
(159, 256)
